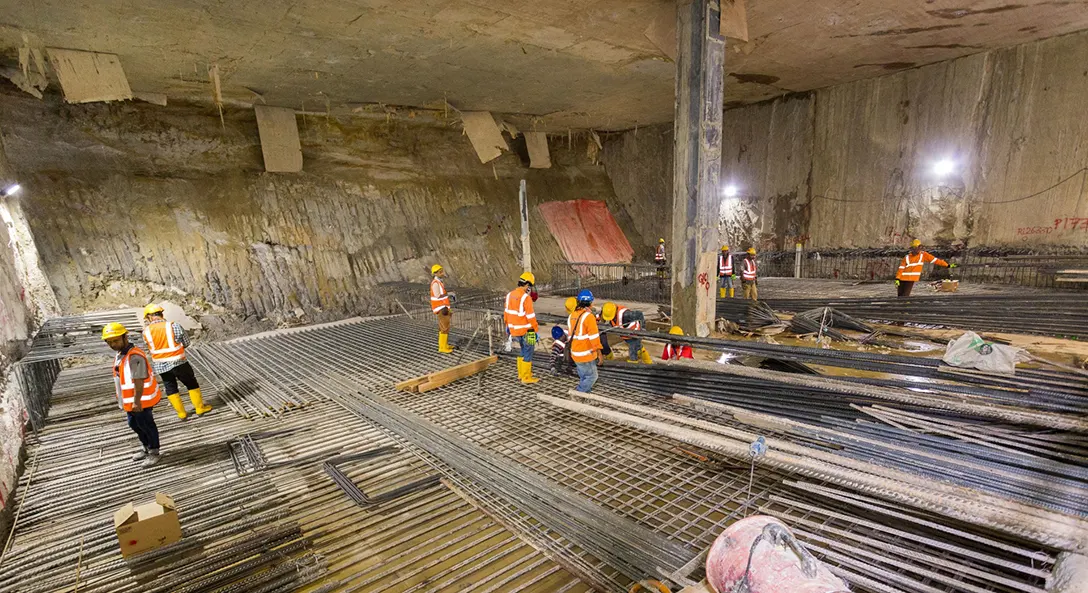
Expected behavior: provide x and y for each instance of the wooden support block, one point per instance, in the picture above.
(436, 380)
(734, 23)
(279, 139)
(484, 134)
(537, 144)
(87, 76)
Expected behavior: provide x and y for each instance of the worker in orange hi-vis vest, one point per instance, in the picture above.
(166, 342)
(676, 350)
(749, 279)
(726, 273)
(137, 391)
(521, 324)
(910, 269)
(440, 306)
(585, 341)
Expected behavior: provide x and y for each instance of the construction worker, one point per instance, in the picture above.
(440, 305)
(585, 341)
(725, 272)
(560, 354)
(167, 342)
(748, 279)
(137, 391)
(630, 319)
(521, 323)
(660, 259)
(910, 269)
(676, 350)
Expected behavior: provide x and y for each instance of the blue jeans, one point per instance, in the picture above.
(633, 346)
(726, 281)
(587, 375)
(143, 424)
(526, 349)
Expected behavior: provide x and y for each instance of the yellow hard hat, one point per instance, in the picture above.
(752, 250)
(152, 309)
(571, 304)
(114, 330)
(660, 240)
(608, 312)
(725, 248)
(436, 269)
(676, 331)
(916, 243)
(528, 277)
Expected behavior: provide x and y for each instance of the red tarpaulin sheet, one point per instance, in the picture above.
(586, 232)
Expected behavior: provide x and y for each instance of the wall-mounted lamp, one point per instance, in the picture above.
(944, 167)
(730, 191)
(10, 190)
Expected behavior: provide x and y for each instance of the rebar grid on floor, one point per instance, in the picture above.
(285, 528)
(638, 476)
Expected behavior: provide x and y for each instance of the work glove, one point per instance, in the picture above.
(951, 265)
(734, 276)
(530, 338)
(509, 345)
(897, 281)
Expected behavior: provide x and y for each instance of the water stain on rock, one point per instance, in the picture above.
(900, 31)
(890, 65)
(959, 13)
(946, 46)
(755, 78)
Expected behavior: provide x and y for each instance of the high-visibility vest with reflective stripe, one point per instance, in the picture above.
(749, 270)
(671, 352)
(519, 315)
(911, 267)
(617, 321)
(585, 340)
(122, 379)
(659, 255)
(159, 337)
(439, 299)
(725, 264)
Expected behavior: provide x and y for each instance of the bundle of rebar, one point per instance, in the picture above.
(1061, 315)
(80, 335)
(750, 316)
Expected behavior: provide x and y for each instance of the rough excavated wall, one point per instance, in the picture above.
(852, 165)
(639, 163)
(147, 198)
(16, 323)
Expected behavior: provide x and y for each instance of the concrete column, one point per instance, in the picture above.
(697, 163)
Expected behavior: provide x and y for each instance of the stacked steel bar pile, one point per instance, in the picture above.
(1063, 315)
(285, 527)
(80, 335)
(670, 488)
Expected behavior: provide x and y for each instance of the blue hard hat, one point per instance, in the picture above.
(584, 296)
(557, 332)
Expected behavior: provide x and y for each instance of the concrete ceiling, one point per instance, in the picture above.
(569, 63)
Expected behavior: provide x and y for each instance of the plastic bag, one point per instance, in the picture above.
(971, 351)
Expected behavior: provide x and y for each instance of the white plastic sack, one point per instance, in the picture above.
(971, 351)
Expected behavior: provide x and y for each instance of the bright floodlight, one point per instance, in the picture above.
(730, 191)
(11, 190)
(944, 167)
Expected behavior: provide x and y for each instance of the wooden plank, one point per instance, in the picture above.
(539, 157)
(436, 380)
(411, 384)
(87, 76)
(484, 134)
(734, 23)
(279, 139)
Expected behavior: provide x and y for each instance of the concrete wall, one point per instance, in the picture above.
(852, 165)
(131, 200)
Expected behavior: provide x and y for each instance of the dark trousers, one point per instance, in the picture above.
(143, 424)
(904, 288)
(184, 373)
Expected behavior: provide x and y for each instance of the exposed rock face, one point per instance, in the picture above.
(853, 165)
(172, 200)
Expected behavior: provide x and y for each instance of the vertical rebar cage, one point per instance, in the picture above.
(35, 384)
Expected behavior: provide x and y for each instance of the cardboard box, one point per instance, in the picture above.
(947, 286)
(148, 526)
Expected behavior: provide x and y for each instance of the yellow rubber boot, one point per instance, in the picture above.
(644, 357)
(444, 344)
(198, 402)
(529, 379)
(175, 401)
(730, 293)
(721, 293)
(521, 369)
